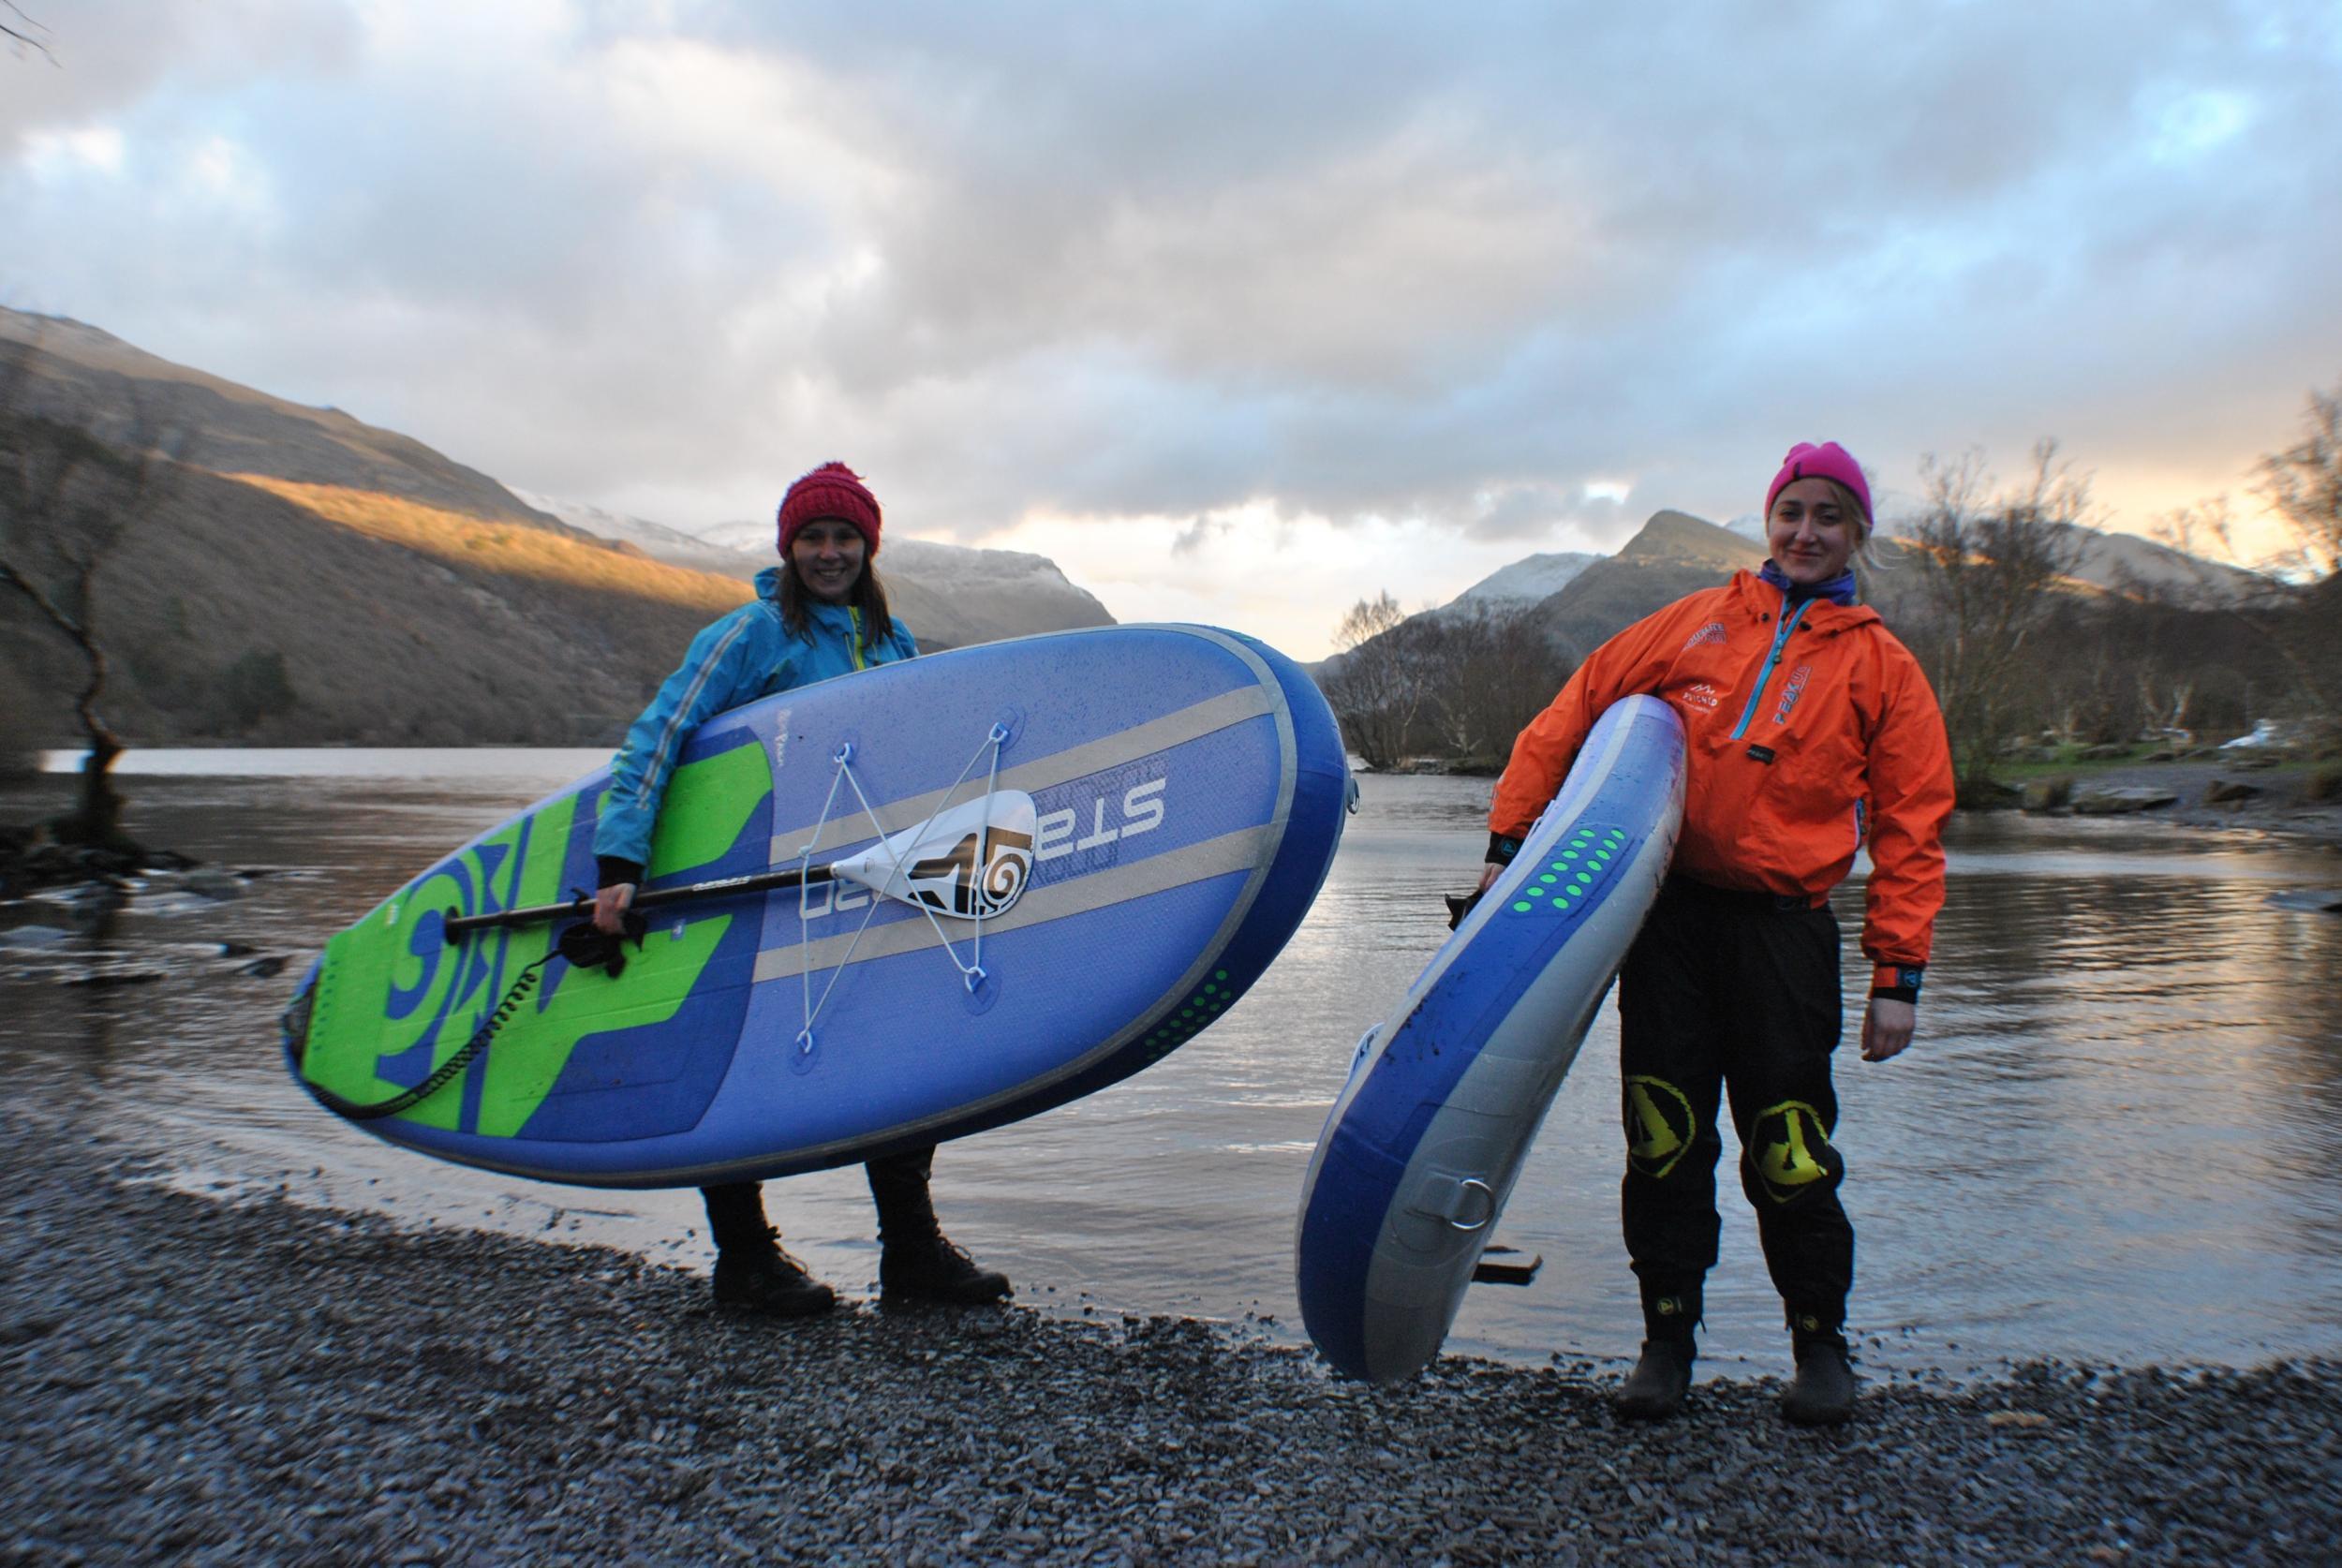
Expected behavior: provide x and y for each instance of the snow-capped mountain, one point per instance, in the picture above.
(1521, 584)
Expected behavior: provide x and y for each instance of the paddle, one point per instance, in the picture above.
(970, 862)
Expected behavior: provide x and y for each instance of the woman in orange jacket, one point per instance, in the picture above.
(1811, 729)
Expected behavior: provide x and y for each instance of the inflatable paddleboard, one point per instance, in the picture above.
(1445, 1094)
(1029, 870)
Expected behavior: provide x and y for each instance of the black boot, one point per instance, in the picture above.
(930, 1268)
(751, 1270)
(1822, 1393)
(764, 1279)
(1655, 1390)
(915, 1262)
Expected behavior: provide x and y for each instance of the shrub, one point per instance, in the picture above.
(252, 689)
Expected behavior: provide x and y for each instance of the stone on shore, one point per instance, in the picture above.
(189, 1379)
(2115, 800)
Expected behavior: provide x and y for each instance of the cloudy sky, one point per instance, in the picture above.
(1240, 312)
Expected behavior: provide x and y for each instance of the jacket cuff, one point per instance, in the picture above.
(614, 870)
(1897, 981)
(1502, 848)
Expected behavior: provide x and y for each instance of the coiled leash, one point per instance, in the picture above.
(585, 948)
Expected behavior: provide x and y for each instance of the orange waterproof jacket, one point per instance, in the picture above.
(1807, 725)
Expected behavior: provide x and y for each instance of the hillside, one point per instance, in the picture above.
(949, 595)
(294, 576)
(78, 375)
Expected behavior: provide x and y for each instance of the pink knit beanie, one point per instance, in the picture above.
(1828, 461)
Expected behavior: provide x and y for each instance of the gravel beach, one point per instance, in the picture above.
(190, 1379)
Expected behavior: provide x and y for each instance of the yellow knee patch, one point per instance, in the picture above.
(1659, 1125)
(1786, 1148)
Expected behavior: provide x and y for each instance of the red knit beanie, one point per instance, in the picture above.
(832, 490)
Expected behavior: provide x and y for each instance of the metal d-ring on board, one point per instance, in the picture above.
(1472, 1184)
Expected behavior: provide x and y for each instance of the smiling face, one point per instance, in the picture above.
(828, 554)
(1812, 531)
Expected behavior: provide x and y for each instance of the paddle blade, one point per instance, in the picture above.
(972, 860)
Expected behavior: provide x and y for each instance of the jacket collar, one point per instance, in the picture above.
(1838, 590)
(1762, 599)
(838, 617)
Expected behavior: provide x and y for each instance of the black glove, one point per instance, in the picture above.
(1463, 904)
(587, 946)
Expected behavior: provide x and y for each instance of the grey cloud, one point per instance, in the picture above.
(1372, 261)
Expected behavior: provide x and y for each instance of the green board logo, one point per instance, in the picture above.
(393, 999)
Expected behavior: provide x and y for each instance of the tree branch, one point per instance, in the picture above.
(22, 36)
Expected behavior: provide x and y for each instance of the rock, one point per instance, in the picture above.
(212, 884)
(2104, 753)
(2046, 794)
(2222, 791)
(2115, 800)
(2253, 763)
(2309, 900)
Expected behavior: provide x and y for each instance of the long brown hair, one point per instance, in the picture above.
(867, 596)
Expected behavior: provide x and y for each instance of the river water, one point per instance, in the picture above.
(2117, 1139)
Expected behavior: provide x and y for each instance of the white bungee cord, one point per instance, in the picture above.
(972, 974)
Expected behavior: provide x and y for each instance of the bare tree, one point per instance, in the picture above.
(1376, 686)
(2303, 485)
(1490, 674)
(1988, 566)
(67, 499)
(2192, 529)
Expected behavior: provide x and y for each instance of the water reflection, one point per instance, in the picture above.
(2119, 1135)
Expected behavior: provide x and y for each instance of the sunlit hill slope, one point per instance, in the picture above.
(291, 575)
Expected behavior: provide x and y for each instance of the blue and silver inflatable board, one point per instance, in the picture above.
(1181, 792)
(1446, 1095)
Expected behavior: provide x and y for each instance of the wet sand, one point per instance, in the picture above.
(188, 1378)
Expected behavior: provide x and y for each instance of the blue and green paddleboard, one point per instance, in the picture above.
(1155, 808)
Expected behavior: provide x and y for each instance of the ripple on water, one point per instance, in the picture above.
(2118, 1137)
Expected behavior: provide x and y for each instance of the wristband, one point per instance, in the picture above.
(1502, 848)
(1897, 981)
(610, 870)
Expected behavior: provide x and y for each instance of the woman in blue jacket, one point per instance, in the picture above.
(818, 613)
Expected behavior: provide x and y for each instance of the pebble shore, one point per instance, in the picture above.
(185, 1379)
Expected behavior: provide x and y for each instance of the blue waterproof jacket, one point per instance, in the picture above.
(749, 654)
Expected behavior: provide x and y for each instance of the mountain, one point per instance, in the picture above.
(2139, 568)
(1674, 555)
(289, 575)
(73, 372)
(1519, 584)
(949, 595)
(660, 543)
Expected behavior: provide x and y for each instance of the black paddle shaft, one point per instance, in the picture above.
(458, 926)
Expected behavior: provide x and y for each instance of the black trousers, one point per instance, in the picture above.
(1737, 993)
(898, 1185)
